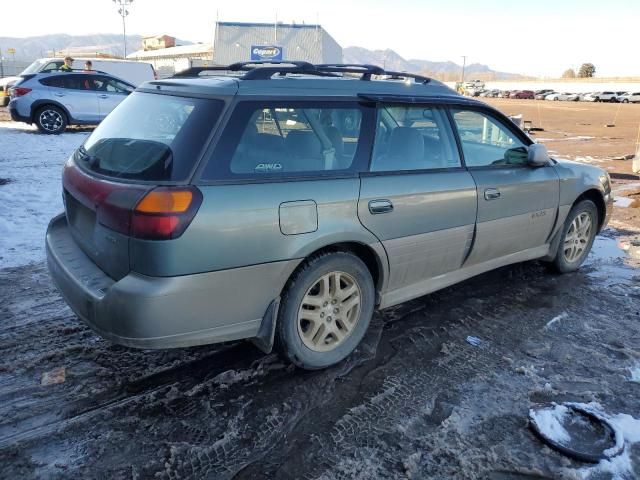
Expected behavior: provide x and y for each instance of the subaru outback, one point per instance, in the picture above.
(284, 203)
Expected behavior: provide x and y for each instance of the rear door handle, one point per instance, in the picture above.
(103, 96)
(380, 206)
(491, 194)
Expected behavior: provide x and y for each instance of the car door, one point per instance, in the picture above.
(417, 198)
(517, 204)
(78, 94)
(110, 93)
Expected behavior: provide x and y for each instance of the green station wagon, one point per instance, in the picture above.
(285, 202)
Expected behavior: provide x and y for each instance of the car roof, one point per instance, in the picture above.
(304, 80)
(50, 73)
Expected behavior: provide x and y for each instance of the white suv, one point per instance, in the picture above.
(633, 97)
(601, 97)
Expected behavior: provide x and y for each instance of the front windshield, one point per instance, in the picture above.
(34, 67)
(150, 137)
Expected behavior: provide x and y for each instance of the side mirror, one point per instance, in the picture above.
(537, 155)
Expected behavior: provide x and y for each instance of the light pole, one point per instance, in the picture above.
(122, 10)
(464, 64)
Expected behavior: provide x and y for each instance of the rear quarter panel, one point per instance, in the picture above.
(239, 225)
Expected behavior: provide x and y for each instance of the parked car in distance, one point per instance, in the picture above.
(504, 94)
(132, 72)
(629, 97)
(207, 209)
(544, 91)
(522, 94)
(601, 97)
(565, 96)
(53, 100)
(5, 84)
(543, 94)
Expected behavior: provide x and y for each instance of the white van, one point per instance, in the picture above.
(133, 72)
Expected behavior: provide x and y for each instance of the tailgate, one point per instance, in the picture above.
(94, 209)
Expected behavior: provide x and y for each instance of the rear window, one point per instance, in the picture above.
(150, 137)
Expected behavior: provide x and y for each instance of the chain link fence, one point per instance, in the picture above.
(10, 68)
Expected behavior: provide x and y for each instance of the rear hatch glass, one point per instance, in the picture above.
(151, 138)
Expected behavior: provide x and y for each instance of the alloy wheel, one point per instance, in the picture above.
(329, 311)
(577, 238)
(51, 120)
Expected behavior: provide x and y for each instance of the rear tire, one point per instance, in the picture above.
(50, 120)
(325, 310)
(576, 237)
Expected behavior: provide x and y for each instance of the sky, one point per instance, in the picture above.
(541, 38)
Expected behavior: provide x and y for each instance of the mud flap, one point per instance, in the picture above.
(264, 339)
(553, 246)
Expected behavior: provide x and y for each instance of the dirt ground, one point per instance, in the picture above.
(415, 401)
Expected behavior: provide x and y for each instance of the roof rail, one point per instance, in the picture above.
(365, 69)
(405, 75)
(264, 70)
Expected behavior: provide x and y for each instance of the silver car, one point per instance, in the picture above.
(284, 203)
(54, 100)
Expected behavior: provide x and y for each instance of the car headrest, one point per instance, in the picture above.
(406, 143)
(303, 144)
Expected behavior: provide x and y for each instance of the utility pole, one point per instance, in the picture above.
(1, 64)
(464, 64)
(123, 4)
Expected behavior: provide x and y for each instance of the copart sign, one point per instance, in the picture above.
(266, 52)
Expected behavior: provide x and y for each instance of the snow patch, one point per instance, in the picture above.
(623, 202)
(549, 422)
(556, 319)
(635, 373)
(33, 162)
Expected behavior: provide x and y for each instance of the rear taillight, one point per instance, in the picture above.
(165, 213)
(19, 91)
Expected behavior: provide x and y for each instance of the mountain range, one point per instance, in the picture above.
(29, 48)
(446, 71)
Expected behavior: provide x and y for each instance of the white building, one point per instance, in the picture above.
(237, 42)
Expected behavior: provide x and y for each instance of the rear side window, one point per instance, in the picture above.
(289, 138)
(413, 138)
(150, 137)
(56, 82)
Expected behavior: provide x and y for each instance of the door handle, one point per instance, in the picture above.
(59, 94)
(380, 206)
(491, 194)
(103, 96)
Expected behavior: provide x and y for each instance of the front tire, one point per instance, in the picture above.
(51, 120)
(577, 237)
(325, 310)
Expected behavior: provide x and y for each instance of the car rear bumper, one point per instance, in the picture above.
(163, 312)
(15, 115)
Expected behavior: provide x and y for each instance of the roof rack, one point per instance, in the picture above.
(264, 70)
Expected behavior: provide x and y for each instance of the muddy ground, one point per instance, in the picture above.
(416, 400)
